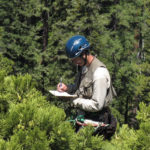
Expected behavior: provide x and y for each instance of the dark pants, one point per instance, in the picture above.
(106, 117)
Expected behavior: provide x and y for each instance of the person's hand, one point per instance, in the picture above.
(61, 87)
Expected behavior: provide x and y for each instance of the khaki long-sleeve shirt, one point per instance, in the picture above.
(101, 82)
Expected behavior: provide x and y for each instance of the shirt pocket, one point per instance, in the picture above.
(88, 88)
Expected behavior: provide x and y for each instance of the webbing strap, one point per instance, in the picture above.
(80, 120)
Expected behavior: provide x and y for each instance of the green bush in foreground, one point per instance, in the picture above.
(29, 122)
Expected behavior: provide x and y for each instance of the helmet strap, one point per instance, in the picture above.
(85, 59)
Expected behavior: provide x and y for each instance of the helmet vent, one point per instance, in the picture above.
(80, 47)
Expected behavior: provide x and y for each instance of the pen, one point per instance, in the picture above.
(60, 85)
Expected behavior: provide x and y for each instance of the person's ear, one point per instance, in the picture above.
(84, 56)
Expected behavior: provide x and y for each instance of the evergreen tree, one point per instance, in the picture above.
(129, 139)
(120, 50)
(20, 34)
(6, 68)
(143, 133)
(34, 33)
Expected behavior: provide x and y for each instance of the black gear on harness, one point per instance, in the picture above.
(104, 124)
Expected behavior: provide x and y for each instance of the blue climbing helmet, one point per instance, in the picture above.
(76, 45)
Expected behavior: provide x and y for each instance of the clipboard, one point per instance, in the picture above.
(62, 94)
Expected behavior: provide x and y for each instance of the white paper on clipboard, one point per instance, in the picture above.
(61, 94)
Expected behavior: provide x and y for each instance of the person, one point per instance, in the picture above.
(92, 85)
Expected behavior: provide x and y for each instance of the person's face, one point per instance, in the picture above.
(78, 61)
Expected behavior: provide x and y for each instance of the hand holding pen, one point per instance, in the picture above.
(61, 87)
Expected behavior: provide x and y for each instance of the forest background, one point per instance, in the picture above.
(33, 34)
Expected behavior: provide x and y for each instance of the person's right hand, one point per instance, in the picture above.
(61, 87)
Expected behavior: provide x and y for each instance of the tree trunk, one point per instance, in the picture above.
(45, 16)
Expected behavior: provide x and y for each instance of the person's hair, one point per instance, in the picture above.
(87, 52)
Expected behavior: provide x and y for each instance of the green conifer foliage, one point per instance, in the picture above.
(87, 141)
(143, 133)
(110, 27)
(29, 121)
(129, 139)
(21, 26)
(6, 68)
(121, 50)
(126, 139)
(6, 64)
(33, 33)
(33, 123)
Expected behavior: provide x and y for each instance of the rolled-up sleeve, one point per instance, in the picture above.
(101, 82)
